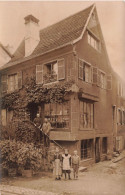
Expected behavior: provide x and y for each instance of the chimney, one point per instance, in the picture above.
(32, 36)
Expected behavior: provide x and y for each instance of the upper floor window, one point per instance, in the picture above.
(119, 116)
(50, 72)
(86, 115)
(120, 89)
(94, 42)
(85, 71)
(12, 82)
(58, 114)
(102, 80)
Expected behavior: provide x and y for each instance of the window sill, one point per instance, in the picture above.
(54, 82)
(61, 129)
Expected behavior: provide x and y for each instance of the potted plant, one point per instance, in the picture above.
(30, 159)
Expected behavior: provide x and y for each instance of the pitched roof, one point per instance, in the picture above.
(4, 48)
(56, 35)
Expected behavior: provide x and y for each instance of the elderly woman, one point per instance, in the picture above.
(57, 165)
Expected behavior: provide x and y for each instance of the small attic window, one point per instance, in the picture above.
(94, 42)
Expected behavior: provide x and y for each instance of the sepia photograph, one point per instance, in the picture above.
(62, 97)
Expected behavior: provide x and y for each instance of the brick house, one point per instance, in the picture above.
(70, 50)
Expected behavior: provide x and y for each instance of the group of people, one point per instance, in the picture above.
(62, 164)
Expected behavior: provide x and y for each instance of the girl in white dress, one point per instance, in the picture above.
(66, 162)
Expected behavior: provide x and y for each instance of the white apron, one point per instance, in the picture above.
(66, 162)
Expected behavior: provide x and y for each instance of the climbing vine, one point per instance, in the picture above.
(51, 93)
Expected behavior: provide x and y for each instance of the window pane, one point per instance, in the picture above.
(58, 114)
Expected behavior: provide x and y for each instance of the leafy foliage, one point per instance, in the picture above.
(17, 154)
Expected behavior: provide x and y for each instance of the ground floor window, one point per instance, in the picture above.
(86, 148)
(104, 145)
(58, 114)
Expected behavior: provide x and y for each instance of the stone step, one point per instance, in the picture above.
(82, 169)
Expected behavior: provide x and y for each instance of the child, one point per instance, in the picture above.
(66, 160)
(75, 164)
(57, 165)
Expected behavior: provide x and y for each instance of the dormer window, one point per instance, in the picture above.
(94, 42)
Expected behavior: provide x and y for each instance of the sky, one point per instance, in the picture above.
(111, 15)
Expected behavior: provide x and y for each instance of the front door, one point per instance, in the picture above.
(97, 149)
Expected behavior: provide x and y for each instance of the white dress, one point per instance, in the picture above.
(66, 162)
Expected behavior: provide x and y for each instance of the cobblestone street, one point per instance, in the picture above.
(104, 178)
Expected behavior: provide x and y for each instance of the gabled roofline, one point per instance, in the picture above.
(84, 29)
(10, 64)
(5, 50)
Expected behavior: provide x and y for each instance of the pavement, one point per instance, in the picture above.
(13, 190)
(103, 178)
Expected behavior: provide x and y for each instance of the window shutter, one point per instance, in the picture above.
(94, 75)
(4, 83)
(39, 74)
(80, 69)
(99, 78)
(109, 82)
(61, 69)
(19, 76)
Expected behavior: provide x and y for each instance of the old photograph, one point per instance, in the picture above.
(62, 98)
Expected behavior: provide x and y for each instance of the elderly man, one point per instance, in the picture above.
(38, 123)
(46, 129)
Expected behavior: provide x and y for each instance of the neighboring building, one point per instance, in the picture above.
(72, 49)
(5, 55)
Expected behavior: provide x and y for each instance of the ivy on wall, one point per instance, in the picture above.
(51, 93)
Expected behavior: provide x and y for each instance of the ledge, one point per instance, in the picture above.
(62, 136)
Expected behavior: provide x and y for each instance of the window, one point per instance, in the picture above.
(119, 116)
(86, 148)
(94, 42)
(3, 117)
(4, 83)
(50, 72)
(104, 145)
(9, 115)
(86, 115)
(102, 80)
(120, 89)
(85, 71)
(123, 118)
(12, 82)
(58, 114)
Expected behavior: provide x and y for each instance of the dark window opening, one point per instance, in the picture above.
(104, 145)
(86, 148)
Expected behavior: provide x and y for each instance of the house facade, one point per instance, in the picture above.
(67, 60)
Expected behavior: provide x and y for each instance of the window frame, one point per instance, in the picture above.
(91, 37)
(13, 82)
(90, 124)
(82, 66)
(56, 116)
